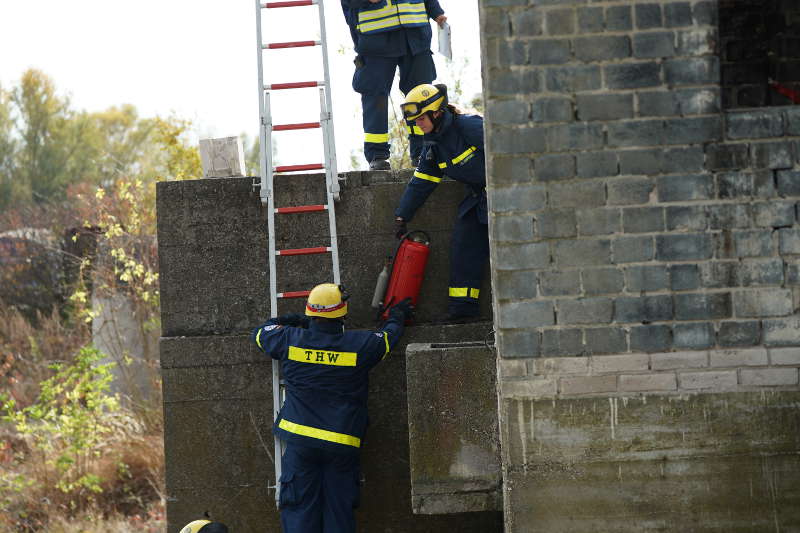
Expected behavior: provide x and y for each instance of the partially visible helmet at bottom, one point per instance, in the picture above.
(204, 526)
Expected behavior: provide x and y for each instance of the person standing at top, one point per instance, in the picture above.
(324, 416)
(388, 34)
(453, 147)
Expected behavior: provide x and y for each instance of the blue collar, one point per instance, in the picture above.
(324, 326)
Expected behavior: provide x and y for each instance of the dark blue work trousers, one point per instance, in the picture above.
(469, 253)
(373, 80)
(319, 490)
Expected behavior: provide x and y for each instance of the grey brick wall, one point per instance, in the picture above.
(630, 213)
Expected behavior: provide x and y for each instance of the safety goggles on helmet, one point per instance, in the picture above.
(411, 110)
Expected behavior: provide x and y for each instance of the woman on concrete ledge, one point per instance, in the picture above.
(453, 146)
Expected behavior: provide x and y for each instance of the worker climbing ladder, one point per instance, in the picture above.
(267, 128)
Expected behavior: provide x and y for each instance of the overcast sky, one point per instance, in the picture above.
(198, 60)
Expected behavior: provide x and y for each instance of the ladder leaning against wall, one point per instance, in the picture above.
(266, 129)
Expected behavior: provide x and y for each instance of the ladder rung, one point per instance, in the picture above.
(294, 85)
(301, 209)
(295, 168)
(293, 44)
(291, 3)
(299, 126)
(295, 294)
(304, 251)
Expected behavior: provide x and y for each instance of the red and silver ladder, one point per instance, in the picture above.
(268, 171)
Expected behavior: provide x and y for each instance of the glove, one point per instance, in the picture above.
(293, 319)
(400, 227)
(402, 310)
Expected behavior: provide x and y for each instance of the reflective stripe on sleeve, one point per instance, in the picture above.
(442, 165)
(376, 137)
(464, 292)
(385, 340)
(321, 434)
(258, 338)
(420, 175)
(466, 153)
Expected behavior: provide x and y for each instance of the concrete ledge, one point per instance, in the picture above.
(452, 428)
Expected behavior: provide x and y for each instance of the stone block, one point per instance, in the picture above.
(556, 223)
(602, 48)
(756, 243)
(605, 106)
(511, 170)
(561, 365)
(562, 342)
(647, 382)
(746, 333)
(530, 388)
(684, 277)
(526, 314)
(512, 228)
(648, 16)
(518, 343)
(645, 278)
(696, 41)
(781, 331)
(633, 249)
(633, 362)
(763, 302)
(717, 380)
(756, 124)
(635, 133)
(590, 20)
(677, 14)
(581, 194)
(597, 164)
(647, 162)
(584, 311)
(657, 103)
(689, 159)
(772, 155)
(642, 219)
(789, 241)
(560, 21)
(454, 461)
(774, 214)
(522, 256)
(738, 358)
(574, 78)
(509, 368)
(684, 188)
(788, 182)
(619, 18)
(554, 167)
(705, 13)
(516, 140)
(694, 336)
(587, 385)
(632, 75)
(643, 309)
(785, 356)
(768, 377)
(605, 340)
(651, 338)
(698, 101)
(559, 283)
(753, 272)
(582, 252)
(509, 111)
(693, 130)
(687, 218)
(549, 52)
(527, 197)
(512, 284)
(654, 45)
(552, 109)
(683, 247)
(703, 306)
(692, 71)
(678, 360)
(630, 191)
(576, 136)
(727, 156)
(727, 217)
(600, 221)
(523, 22)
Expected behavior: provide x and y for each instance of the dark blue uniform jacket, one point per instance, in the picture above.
(394, 40)
(455, 150)
(325, 370)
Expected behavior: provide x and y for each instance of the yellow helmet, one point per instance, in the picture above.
(327, 300)
(199, 526)
(424, 98)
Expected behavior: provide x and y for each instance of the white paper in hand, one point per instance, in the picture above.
(444, 41)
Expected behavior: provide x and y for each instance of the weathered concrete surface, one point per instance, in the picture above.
(218, 438)
(452, 428)
(212, 238)
(712, 462)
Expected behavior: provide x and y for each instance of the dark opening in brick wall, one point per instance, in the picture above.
(760, 52)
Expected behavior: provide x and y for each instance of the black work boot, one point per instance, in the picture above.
(379, 164)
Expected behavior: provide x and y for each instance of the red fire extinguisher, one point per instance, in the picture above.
(407, 271)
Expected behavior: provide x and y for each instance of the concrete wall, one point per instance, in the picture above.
(217, 387)
(644, 245)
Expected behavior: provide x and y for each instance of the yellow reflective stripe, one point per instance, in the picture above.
(442, 165)
(385, 340)
(412, 8)
(258, 338)
(413, 19)
(377, 25)
(466, 152)
(464, 292)
(373, 14)
(420, 175)
(321, 434)
(322, 357)
(376, 137)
